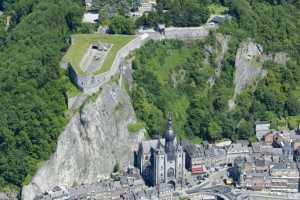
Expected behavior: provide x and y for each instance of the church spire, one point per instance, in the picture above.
(169, 135)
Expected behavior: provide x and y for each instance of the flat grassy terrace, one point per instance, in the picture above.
(81, 43)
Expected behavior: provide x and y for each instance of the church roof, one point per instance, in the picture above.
(147, 145)
(169, 135)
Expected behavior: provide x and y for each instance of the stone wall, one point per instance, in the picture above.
(91, 83)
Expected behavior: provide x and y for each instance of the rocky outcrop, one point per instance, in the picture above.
(8, 196)
(92, 143)
(249, 66)
(221, 50)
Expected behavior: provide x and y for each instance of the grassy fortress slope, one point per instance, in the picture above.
(81, 43)
(88, 81)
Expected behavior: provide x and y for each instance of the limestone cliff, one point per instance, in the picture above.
(93, 141)
(249, 66)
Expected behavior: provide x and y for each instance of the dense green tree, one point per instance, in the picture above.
(214, 131)
(32, 92)
(121, 25)
(273, 24)
(176, 13)
(292, 105)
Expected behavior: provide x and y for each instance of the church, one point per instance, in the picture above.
(162, 160)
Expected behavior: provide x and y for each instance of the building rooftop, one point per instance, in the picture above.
(90, 18)
(152, 144)
(238, 147)
(262, 123)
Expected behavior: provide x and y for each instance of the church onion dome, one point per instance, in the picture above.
(169, 135)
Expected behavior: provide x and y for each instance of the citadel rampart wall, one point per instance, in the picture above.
(91, 83)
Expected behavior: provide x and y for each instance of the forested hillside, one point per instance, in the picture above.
(116, 14)
(32, 102)
(177, 13)
(201, 112)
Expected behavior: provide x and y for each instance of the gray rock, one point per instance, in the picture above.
(75, 102)
(8, 196)
(249, 62)
(222, 43)
(248, 68)
(3, 196)
(93, 141)
(248, 65)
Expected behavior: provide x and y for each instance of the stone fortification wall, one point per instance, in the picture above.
(91, 83)
(179, 33)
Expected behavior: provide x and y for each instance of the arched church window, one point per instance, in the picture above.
(171, 172)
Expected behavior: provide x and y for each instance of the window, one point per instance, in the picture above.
(171, 172)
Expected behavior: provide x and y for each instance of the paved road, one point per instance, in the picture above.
(224, 192)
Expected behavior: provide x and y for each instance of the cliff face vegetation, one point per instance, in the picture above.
(32, 99)
(175, 77)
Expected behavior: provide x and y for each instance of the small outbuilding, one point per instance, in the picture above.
(262, 128)
(90, 18)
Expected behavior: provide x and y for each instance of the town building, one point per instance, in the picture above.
(90, 18)
(239, 149)
(162, 161)
(195, 158)
(261, 129)
(130, 187)
(200, 158)
(270, 166)
(268, 138)
(146, 6)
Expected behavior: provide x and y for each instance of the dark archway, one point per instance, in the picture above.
(172, 184)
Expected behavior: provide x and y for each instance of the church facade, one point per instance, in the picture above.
(162, 160)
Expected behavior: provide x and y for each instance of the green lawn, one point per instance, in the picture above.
(81, 43)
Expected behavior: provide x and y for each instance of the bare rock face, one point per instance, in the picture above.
(248, 63)
(249, 66)
(8, 196)
(92, 143)
(222, 42)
